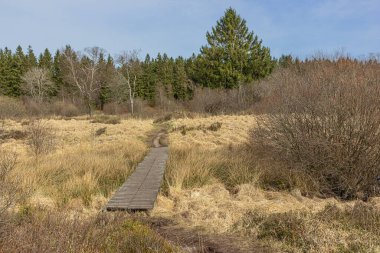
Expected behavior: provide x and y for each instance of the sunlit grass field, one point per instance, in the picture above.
(212, 184)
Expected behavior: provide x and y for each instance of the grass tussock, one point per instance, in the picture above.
(11, 108)
(224, 156)
(41, 137)
(333, 229)
(83, 169)
(46, 231)
(190, 168)
(230, 130)
(214, 182)
(106, 119)
(10, 192)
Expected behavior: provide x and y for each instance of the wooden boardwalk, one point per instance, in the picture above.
(140, 190)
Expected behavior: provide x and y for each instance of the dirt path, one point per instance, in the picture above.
(156, 141)
(192, 240)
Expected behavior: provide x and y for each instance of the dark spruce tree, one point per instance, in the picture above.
(233, 56)
(45, 60)
(21, 58)
(11, 70)
(57, 75)
(31, 58)
(106, 72)
(148, 80)
(181, 85)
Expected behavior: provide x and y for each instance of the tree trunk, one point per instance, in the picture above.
(89, 109)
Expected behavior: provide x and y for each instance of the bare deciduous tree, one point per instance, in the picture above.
(82, 70)
(128, 72)
(37, 83)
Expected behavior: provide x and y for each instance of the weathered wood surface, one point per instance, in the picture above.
(140, 190)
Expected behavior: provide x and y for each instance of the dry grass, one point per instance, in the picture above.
(53, 231)
(213, 184)
(210, 184)
(84, 168)
(234, 130)
(71, 184)
(323, 123)
(203, 151)
(333, 229)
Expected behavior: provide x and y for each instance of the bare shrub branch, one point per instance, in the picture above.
(323, 119)
(11, 192)
(41, 138)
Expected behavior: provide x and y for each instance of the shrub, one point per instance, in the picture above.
(191, 167)
(165, 118)
(7, 164)
(65, 109)
(134, 236)
(100, 131)
(104, 119)
(219, 101)
(11, 134)
(361, 216)
(10, 190)
(288, 227)
(41, 138)
(115, 108)
(333, 229)
(323, 122)
(51, 231)
(36, 108)
(183, 129)
(11, 107)
(215, 126)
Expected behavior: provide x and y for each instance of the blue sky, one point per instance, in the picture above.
(178, 27)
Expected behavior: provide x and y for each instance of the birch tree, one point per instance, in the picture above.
(37, 83)
(82, 70)
(129, 69)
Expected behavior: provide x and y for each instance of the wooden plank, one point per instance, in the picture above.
(140, 190)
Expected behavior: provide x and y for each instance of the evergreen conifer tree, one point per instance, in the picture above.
(181, 89)
(57, 75)
(148, 80)
(45, 60)
(10, 72)
(107, 72)
(233, 56)
(31, 58)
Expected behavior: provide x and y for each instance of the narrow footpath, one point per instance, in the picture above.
(140, 191)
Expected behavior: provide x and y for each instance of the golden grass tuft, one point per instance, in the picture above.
(213, 184)
(233, 130)
(84, 167)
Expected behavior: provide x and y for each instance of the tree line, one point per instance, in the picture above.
(232, 57)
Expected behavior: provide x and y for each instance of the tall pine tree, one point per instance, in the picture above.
(181, 83)
(233, 55)
(11, 69)
(57, 74)
(31, 58)
(45, 60)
